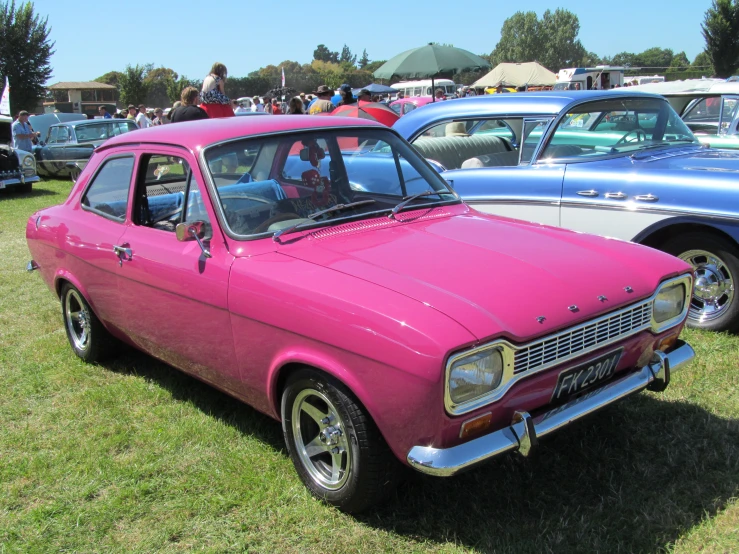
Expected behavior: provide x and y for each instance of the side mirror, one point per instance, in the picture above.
(193, 230)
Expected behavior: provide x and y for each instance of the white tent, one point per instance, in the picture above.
(517, 75)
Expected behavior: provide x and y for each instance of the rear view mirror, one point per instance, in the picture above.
(195, 230)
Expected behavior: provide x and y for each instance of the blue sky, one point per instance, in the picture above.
(94, 37)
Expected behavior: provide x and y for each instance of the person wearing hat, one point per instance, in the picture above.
(364, 96)
(347, 96)
(322, 103)
(132, 111)
(23, 133)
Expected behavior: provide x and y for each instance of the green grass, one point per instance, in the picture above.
(134, 456)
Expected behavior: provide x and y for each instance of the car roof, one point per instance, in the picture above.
(194, 135)
(512, 104)
(84, 122)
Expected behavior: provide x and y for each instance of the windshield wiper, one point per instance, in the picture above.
(311, 217)
(408, 199)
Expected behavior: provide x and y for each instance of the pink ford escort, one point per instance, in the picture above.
(321, 271)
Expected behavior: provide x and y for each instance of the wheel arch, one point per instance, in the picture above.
(287, 366)
(657, 234)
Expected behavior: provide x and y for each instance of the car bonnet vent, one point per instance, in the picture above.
(379, 223)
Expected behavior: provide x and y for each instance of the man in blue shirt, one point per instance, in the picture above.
(23, 133)
(103, 111)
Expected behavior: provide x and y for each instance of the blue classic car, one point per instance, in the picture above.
(67, 146)
(619, 164)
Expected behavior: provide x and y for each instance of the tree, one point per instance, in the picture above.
(374, 66)
(654, 58)
(552, 41)
(364, 60)
(133, 85)
(331, 74)
(679, 62)
(558, 39)
(346, 56)
(160, 84)
(518, 39)
(25, 51)
(720, 29)
(323, 54)
(702, 62)
(110, 78)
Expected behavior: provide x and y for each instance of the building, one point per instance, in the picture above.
(81, 97)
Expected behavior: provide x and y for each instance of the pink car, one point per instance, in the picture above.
(321, 271)
(406, 105)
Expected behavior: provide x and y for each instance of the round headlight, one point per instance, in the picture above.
(475, 375)
(28, 161)
(669, 303)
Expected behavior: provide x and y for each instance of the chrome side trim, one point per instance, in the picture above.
(607, 327)
(31, 266)
(524, 431)
(513, 201)
(633, 207)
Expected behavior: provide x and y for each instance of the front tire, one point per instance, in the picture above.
(89, 340)
(337, 450)
(714, 305)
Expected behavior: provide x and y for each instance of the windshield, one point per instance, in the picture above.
(272, 183)
(614, 126)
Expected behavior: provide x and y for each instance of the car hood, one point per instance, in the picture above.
(492, 275)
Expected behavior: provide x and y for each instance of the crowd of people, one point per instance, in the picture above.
(212, 102)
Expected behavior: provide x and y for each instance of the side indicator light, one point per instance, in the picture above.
(475, 426)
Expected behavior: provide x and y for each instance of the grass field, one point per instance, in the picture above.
(133, 456)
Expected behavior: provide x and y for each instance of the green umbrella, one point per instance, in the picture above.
(430, 61)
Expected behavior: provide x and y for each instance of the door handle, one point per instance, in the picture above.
(616, 195)
(647, 197)
(588, 192)
(123, 252)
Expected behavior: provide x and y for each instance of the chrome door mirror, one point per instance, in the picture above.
(192, 230)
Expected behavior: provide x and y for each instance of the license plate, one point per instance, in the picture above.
(584, 376)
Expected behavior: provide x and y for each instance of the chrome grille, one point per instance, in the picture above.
(583, 338)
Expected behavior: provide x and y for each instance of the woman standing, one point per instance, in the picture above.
(213, 97)
(296, 106)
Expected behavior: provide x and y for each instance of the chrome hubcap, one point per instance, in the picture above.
(77, 319)
(713, 290)
(320, 441)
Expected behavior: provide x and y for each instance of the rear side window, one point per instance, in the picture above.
(107, 195)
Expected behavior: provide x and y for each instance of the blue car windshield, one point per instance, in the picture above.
(616, 126)
(271, 183)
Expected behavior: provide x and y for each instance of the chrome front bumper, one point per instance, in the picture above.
(523, 433)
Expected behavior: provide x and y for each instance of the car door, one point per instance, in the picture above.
(50, 154)
(174, 295)
(94, 232)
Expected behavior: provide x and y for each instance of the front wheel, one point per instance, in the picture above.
(335, 446)
(88, 338)
(714, 305)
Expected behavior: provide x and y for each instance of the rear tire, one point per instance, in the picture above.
(89, 340)
(336, 448)
(714, 305)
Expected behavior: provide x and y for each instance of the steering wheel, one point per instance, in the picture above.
(264, 225)
(640, 136)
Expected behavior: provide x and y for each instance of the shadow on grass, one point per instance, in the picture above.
(12, 193)
(632, 478)
(206, 398)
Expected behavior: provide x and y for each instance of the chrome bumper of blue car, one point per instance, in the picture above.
(523, 433)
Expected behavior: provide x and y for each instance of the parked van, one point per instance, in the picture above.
(423, 88)
(600, 77)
